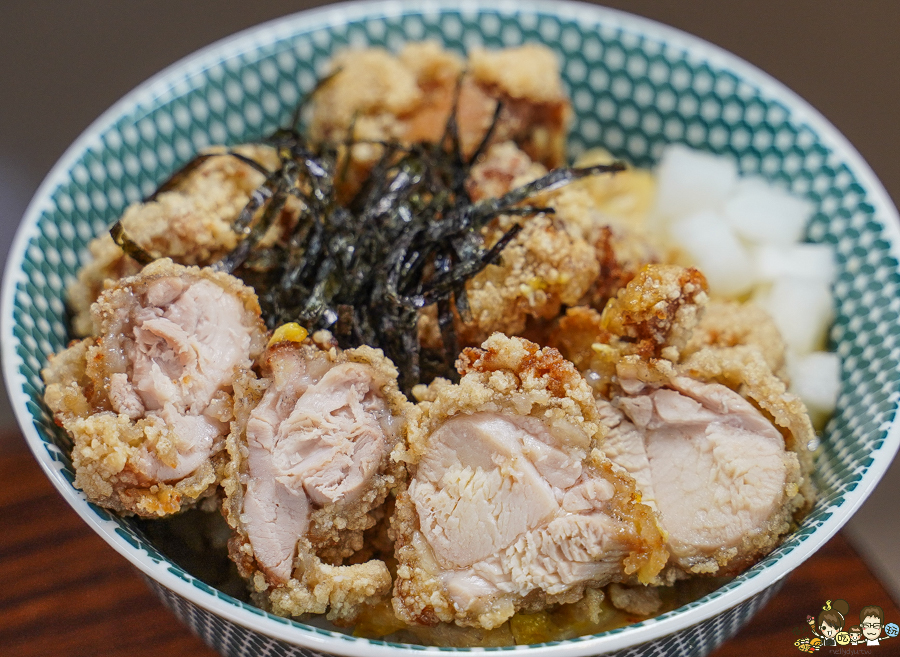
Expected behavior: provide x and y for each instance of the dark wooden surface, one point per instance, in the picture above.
(64, 592)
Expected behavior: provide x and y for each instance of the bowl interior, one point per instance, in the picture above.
(635, 87)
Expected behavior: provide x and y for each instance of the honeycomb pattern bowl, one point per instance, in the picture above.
(635, 87)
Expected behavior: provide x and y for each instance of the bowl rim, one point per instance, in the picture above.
(329, 15)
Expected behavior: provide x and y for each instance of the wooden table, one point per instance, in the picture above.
(66, 593)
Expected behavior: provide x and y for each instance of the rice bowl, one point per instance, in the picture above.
(859, 444)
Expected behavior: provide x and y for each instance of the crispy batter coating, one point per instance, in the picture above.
(638, 600)
(622, 201)
(113, 440)
(653, 317)
(657, 310)
(511, 376)
(540, 271)
(583, 254)
(578, 335)
(108, 264)
(408, 98)
(731, 323)
(327, 574)
(610, 212)
(191, 223)
(544, 268)
(503, 167)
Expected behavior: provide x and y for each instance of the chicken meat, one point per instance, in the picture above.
(148, 400)
(716, 444)
(509, 505)
(408, 98)
(311, 467)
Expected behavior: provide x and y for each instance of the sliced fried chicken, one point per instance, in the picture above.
(148, 401)
(310, 471)
(509, 505)
(716, 444)
(713, 466)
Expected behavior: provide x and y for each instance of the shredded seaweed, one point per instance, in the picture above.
(364, 269)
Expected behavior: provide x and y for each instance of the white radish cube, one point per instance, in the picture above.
(689, 181)
(814, 262)
(802, 311)
(717, 252)
(764, 214)
(816, 379)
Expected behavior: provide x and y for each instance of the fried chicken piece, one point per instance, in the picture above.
(714, 466)
(622, 201)
(148, 401)
(408, 98)
(503, 167)
(310, 471)
(609, 212)
(541, 270)
(549, 265)
(731, 323)
(509, 505)
(653, 316)
(743, 368)
(716, 444)
(191, 223)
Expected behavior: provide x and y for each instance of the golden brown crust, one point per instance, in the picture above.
(651, 318)
(622, 201)
(574, 335)
(588, 253)
(108, 264)
(658, 309)
(611, 213)
(551, 389)
(731, 323)
(408, 98)
(191, 223)
(540, 271)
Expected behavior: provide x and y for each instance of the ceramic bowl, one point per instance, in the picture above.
(635, 86)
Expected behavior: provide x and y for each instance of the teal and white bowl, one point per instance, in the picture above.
(635, 86)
